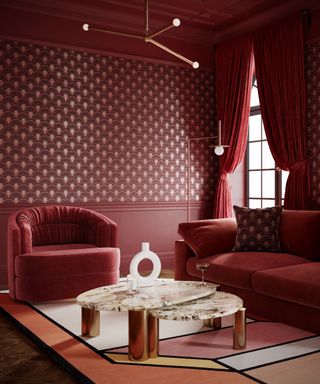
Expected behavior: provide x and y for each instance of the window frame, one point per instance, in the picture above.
(256, 110)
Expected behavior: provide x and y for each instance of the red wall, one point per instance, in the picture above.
(105, 132)
(312, 62)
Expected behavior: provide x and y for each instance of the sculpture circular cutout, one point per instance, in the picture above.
(145, 253)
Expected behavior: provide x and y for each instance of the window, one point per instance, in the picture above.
(266, 184)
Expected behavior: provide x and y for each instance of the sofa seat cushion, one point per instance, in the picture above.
(298, 284)
(236, 268)
(67, 262)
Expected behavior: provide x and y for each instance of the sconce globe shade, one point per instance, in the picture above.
(195, 65)
(176, 22)
(218, 151)
(85, 27)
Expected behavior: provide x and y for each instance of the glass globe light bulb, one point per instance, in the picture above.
(218, 151)
(195, 65)
(176, 22)
(85, 27)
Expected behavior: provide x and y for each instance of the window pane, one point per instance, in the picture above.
(268, 203)
(284, 178)
(255, 127)
(254, 203)
(254, 101)
(267, 159)
(254, 155)
(255, 184)
(268, 184)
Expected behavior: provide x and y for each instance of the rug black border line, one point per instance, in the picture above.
(176, 337)
(123, 346)
(270, 346)
(78, 338)
(103, 352)
(279, 361)
(74, 371)
(114, 350)
(231, 369)
(99, 351)
(50, 352)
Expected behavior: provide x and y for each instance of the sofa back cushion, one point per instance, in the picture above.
(300, 233)
(209, 237)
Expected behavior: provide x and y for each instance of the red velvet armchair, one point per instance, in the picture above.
(57, 252)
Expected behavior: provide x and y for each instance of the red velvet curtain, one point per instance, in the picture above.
(279, 61)
(234, 71)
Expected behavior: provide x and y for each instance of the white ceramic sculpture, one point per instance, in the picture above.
(145, 253)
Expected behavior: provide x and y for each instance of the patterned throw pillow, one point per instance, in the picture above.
(257, 229)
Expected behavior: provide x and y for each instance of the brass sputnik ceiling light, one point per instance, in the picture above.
(147, 37)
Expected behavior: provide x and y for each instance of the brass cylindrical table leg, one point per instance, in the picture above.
(214, 323)
(90, 322)
(153, 336)
(239, 329)
(138, 335)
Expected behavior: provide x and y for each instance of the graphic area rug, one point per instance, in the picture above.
(189, 352)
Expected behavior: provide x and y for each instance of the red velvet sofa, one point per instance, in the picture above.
(282, 286)
(57, 252)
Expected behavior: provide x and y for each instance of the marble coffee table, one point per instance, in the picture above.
(210, 309)
(143, 329)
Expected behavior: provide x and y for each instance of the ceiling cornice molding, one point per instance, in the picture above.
(271, 16)
(103, 52)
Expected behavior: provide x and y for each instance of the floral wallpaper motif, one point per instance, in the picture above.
(83, 127)
(312, 60)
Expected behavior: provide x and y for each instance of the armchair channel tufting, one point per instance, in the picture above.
(57, 252)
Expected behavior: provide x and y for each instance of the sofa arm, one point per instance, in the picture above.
(106, 232)
(181, 253)
(13, 249)
(209, 237)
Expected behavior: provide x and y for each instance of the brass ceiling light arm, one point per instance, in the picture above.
(112, 32)
(171, 52)
(156, 33)
(147, 38)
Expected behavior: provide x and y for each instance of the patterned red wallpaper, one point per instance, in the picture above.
(82, 127)
(312, 60)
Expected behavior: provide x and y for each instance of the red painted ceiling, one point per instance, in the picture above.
(205, 21)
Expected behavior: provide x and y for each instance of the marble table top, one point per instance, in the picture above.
(162, 293)
(216, 305)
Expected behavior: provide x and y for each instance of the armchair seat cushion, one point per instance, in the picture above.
(292, 283)
(67, 262)
(236, 268)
